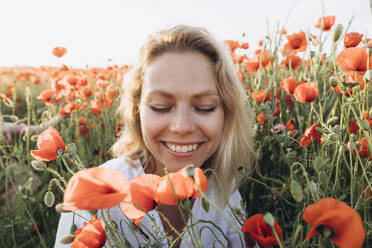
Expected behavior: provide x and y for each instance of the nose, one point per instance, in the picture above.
(182, 121)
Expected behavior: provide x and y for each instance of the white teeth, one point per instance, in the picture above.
(186, 148)
(178, 149)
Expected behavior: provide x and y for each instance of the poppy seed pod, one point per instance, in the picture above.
(38, 165)
(337, 32)
(368, 76)
(333, 81)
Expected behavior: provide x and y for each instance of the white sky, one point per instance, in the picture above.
(95, 30)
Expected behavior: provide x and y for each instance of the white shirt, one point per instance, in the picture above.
(209, 233)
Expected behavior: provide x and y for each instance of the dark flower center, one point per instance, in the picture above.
(325, 231)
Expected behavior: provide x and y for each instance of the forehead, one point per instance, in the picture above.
(188, 72)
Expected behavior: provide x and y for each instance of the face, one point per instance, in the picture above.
(181, 111)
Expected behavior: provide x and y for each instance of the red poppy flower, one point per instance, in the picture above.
(259, 59)
(48, 142)
(353, 126)
(67, 108)
(291, 125)
(289, 85)
(140, 197)
(354, 59)
(310, 134)
(259, 231)
(233, 44)
(296, 43)
(181, 185)
(352, 39)
(244, 45)
(261, 117)
(91, 235)
(47, 96)
(327, 21)
(306, 92)
(368, 118)
(95, 188)
(346, 225)
(289, 101)
(363, 148)
(95, 108)
(293, 60)
(59, 51)
(261, 96)
(147, 189)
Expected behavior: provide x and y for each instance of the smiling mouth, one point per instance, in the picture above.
(181, 148)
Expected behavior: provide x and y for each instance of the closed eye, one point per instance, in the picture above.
(206, 110)
(161, 110)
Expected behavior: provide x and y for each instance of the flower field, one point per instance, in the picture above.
(310, 185)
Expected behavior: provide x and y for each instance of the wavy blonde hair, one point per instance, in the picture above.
(236, 149)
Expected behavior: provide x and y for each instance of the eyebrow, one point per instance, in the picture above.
(169, 95)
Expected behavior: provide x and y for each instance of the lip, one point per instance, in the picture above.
(182, 154)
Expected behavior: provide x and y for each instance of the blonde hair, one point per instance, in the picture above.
(236, 149)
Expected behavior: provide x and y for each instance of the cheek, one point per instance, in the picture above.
(150, 125)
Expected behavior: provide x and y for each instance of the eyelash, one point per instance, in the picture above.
(164, 110)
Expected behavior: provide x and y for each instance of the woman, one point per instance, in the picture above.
(182, 104)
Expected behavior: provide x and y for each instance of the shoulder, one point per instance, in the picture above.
(122, 166)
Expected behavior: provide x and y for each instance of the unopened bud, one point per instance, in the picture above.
(59, 208)
(333, 81)
(38, 165)
(364, 124)
(269, 219)
(351, 146)
(332, 120)
(68, 239)
(368, 76)
(71, 148)
(337, 32)
(312, 54)
(49, 198)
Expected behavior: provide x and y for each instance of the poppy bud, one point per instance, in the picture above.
(332, 120)
(38, 165)
(351, 146)
(353, 136)
(67, 239)
(368, 76)
(364, 124)
(59, 208)
(333, 81)
(296, 191)
(49, 198)
(337, 32)
(269, 219)
(312, 54)
(71, 148)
